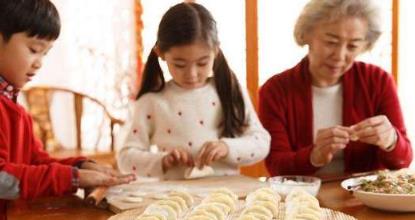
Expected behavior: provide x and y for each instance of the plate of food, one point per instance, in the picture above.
(387, 190)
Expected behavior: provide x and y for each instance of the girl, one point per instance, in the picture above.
(198, 118)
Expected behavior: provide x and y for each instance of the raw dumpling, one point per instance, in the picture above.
(195, 172)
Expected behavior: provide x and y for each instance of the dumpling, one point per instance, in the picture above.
(195, 172)
(163, 210)
(173, 204)
(180, 201)
(259, 209)
(185, 196)
(226, 191)
(151, 217)
(204, 213)
(211, 208)
(221, 199)
(261, 196)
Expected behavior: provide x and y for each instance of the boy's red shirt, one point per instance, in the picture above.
(26, 170)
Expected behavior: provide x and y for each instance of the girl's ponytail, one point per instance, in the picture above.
(153, 79)
(230, 96)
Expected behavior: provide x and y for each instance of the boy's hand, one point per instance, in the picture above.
(177, 157)
(212, 151)
(92, 178)
(104, 168)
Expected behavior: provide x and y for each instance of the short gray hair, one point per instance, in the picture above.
(332, 10)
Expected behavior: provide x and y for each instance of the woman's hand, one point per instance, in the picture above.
(92, 178)
(376, 130)
(177, 157)
(212, 151)
(328, 142)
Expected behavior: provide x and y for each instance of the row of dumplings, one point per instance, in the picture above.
(216, 206)
(172, 207)
(299, 205)
(262, 204)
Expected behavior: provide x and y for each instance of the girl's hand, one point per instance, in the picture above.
(328, 142)
(377, 131)
(92, 178)
(212, 151)
(177, 157)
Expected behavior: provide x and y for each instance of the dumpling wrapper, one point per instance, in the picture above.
(151, 217)
(195, 172)
(132, 199)
(202, 212)
(259, 209)
(211, 208)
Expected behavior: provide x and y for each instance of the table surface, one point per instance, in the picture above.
(331, 196)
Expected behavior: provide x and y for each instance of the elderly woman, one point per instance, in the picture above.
(330, 114)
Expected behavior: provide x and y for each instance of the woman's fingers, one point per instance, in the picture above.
(337, 131)
(370, 122)
(376, 130)
(371, 131)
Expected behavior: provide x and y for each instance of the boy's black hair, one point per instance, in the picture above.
(37, 18)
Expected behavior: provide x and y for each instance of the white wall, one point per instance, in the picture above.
(406, 82)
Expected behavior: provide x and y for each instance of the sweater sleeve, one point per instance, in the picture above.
(401, 155)
(284, 158)
(135, 155)
(18, 180)
(253, 145)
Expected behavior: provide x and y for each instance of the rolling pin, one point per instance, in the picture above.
(97, 197)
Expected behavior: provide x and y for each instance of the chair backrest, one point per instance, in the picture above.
(39, 99)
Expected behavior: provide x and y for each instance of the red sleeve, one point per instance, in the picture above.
(283, 157)
(389, 106)
(26, 171)
(28, 181)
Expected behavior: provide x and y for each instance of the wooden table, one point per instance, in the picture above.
(72, 208)
(55, 208)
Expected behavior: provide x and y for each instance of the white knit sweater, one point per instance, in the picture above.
(182, 118)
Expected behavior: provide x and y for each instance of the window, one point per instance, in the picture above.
(406, 67)
(94, 54)
(278, 50)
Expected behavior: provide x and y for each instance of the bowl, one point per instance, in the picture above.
(285, 184)
(382, 201)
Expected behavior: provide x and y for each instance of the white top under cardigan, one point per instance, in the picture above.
(328, 112)
(183, 118)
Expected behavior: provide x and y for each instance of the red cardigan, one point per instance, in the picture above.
(285, 109)
(26, 171)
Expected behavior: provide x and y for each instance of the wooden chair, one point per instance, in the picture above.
(39, 100)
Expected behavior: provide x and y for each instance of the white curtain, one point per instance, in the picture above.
(278, 50)
(95, 55)
(406, 80)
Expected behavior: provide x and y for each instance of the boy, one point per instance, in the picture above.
(27, 30)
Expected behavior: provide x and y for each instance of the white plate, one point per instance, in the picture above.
(383, 201)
